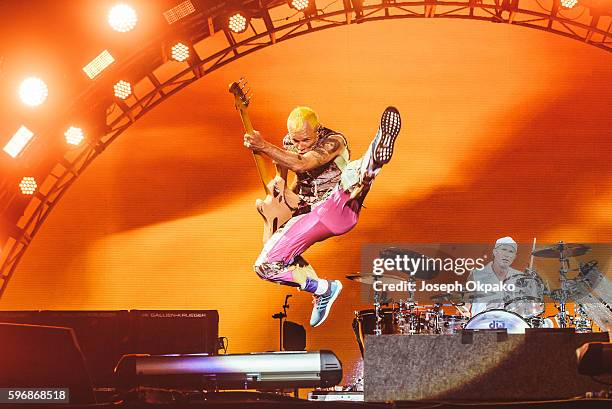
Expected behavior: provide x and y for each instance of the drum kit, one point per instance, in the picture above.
(523, 308)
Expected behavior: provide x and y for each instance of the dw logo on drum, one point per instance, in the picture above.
(497, 324)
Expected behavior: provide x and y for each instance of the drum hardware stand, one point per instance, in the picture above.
(411, 281)
(562, 316)
(580, 321)
(377, 302)
(280, 316)
(380, 299)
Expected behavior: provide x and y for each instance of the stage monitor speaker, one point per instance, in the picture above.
(21, 317)
(294, 337)
(36, 356)
(104, 337)
(159, 332)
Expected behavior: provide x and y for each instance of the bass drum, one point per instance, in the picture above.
(364, 324)
(499, 319)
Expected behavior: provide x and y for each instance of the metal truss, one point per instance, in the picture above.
(275, 22)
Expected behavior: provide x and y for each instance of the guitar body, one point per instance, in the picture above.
(280, 201)
(277, 207)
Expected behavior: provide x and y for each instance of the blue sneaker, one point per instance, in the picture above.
(323, 303)
(390, 125)
(381, 149)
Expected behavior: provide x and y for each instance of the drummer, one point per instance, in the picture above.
(493, 273)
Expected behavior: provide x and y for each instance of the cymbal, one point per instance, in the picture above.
(559, 295)
(444, 298)
(370, 278)
(569, 250)
(420, 273)
(459, 297)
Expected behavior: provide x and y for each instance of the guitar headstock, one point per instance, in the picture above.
(241, 97)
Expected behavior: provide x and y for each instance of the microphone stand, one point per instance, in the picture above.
(280, 316)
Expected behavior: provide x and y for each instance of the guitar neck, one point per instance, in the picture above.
(260, 162)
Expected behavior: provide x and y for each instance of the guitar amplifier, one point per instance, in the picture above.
(477, 365)
(159, 332)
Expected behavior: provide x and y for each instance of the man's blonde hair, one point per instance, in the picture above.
(299, 115)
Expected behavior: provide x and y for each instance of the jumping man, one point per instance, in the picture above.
(331, 191)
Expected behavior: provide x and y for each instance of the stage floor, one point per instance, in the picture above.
(238, 400)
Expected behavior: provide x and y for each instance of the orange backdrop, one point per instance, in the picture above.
(506, 132)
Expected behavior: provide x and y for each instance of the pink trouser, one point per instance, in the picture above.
(333, 217)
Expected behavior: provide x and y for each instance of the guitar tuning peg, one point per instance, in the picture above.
(241, 80)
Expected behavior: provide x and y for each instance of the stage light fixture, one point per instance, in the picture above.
(180, 52)
(74, 136)
(18, 142)
(33, 91)
(98, 64)
(179, 12)
(122, 18)
(123, 89)
(238, 22)
(28, 185)
(568, 4)
(299, 5)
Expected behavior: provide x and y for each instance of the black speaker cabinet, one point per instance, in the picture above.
(159, 332)
(477, 366)
(104, 337)
(36, 356)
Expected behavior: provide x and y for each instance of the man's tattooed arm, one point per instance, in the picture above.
(296, 162)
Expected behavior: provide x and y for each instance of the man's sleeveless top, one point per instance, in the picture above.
(315, 185)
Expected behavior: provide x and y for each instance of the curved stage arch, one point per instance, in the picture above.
(23, 216)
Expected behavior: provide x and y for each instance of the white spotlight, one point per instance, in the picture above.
(122, 18)
(33, 91)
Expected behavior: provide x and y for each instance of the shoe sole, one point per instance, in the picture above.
(330, 303)
(390, 125)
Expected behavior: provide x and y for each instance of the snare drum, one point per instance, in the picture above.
(527, 299)
(499, 319)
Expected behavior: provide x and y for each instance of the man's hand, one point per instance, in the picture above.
(254, 141)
